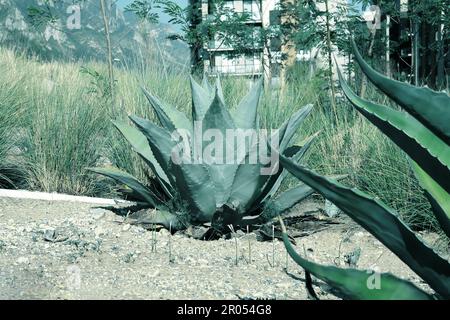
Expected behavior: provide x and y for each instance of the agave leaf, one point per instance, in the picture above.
(201, 100)
(292, 151)
(355, 284)
(132, 183)
(274, 183)
(293, 124)
(384, 224)
(157, 217)
(289, 199)
(431, 108)
(439, 198)
(430, 152)
(292, 197)
(169, 117)
(131, 195)
(427, 183)
(218, 89)
(196, 187)
(245, 115)
(140, 144)
(249, 183)
(218, 118)
(192, 180)
(246, 186)
(206, 85)
(160, 142)
(439, 213)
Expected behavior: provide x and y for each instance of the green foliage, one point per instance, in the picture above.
(228, 28)
(11, 114)
(41, 16)
(99, 83)
(353, 146)
(143, 9)
(411, 133)
(239, 189)
(311, 32)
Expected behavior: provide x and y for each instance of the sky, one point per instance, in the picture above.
(164, 18)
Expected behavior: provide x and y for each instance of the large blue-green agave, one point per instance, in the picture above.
(223, 194)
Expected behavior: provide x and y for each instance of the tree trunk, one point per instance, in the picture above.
(109, 48)
(388, 46)
(416, 52)
(330, 60)
(370, 54)
(440, 60)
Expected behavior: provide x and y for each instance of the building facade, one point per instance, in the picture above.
(258, 60)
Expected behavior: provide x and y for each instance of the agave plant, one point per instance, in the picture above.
(209, 192)
(423, 132)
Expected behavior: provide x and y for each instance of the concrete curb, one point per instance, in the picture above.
(33, 195)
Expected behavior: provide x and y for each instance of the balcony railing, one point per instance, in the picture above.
(245, 70)
(244, 65)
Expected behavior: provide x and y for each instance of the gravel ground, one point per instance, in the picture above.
(64, 250)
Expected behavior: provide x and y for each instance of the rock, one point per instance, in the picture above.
(330, 209)
(164, 232)
(239, 234)
(99, 231)
(50, 235)
(284, 285)
(23, 260)
(138, 229)
(202, 262)
(126, 227)
(108, 216)
(154, 274)
(251, 236)
(97, 213)
(196, 232)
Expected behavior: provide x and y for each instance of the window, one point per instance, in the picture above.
(212, 5)
(229, 5)
(244, 64)
(253, 7)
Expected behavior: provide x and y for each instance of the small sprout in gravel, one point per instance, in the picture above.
(130, 257)
(352, 258)
(273, 245)
(272, 263)
(286, 267)
(235, 242)
(154, 238)
(249, 247)
(171, 260)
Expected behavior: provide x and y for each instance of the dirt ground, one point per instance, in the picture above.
(64, 250)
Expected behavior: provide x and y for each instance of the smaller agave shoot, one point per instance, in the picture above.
(193, 181)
